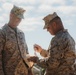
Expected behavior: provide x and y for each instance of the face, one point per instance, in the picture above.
(51, 28)
(14, 20)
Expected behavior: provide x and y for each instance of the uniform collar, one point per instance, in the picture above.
(60, 32)
(9, 29)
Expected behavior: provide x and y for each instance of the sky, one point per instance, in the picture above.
(36, 10)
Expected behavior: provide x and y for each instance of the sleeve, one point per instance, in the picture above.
(69, 55)
(44, 53)
(50, 61)
(1, 48)
(26, 47)
(27, 52)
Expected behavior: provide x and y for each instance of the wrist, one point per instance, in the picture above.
(41, 51)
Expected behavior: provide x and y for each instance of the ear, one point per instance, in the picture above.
(54, 25)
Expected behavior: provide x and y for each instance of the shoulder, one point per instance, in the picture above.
(67, 36)
(1, 30)
(2, 33)
(62, 36)
(20, 31)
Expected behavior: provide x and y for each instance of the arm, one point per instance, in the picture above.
(69, 51)
(26, 53)
(1, 48)
(51, 59)
(44, 53)
(25, 44)
(62, 51)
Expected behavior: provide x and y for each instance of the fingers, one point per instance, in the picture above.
(37, 48)
(33, 59)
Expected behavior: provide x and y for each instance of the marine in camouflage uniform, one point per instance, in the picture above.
(13, 49)
(60, 56)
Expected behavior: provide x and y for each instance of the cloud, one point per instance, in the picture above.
(67, 9)
(36, 10)
(20, 2)
(63, 9)
(44, 8)
(6, 7)
(28, 9)
(34, 2)
(1, 19)
(48, 2)
(74, 2)
(0, 9)
(30, 24)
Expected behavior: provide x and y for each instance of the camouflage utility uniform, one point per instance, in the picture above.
(12, 49)
(60, 56)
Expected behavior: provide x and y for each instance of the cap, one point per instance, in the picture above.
(18, 11)
(49, 18)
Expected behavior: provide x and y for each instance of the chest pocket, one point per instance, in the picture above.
(10, 42)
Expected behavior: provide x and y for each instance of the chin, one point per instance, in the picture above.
(17, 24)
(52, 33)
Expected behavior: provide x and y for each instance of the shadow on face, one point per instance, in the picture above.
(14, 20)
(52, 27)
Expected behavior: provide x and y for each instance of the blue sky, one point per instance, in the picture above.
(36, 10)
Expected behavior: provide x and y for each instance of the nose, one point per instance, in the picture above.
(17, 19)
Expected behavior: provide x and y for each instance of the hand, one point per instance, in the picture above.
(33, 59)
(31, 64)
(37, 48)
